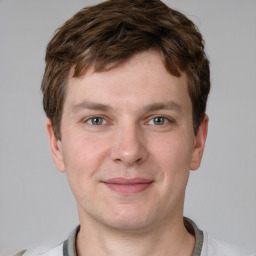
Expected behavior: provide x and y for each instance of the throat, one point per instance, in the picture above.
(175, 242)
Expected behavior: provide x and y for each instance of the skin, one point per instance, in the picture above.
(133, 121)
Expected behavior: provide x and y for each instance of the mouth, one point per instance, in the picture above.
(128, 186)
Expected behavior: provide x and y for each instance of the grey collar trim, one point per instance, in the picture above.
(69, 245)
(199, 235)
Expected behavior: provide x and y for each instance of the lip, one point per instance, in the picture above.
(128, 186)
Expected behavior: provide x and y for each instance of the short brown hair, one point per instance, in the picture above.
(108, 34)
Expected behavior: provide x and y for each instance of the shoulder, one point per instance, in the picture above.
(65, 248)
(54, 251)
(214, 247)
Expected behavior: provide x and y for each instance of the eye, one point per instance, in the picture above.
(159, 120)
(96, 120)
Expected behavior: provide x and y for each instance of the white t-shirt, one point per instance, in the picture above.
(205, 245)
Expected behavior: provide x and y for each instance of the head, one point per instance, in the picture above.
(109, 34)
(125, 90)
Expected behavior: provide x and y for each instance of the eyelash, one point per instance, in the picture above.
(103, 121)
(164, 118)
(94, 118)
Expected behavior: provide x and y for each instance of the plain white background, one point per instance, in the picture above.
(36, 205)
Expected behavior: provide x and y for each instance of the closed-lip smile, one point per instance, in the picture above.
(128, 186)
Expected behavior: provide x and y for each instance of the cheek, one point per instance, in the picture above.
(83, 158)
(174, 158)
(175, 153)
(84, 150)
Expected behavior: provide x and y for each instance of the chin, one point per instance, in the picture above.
(129, 219)
(129, 225)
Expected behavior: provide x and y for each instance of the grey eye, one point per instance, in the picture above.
(96, 120)
(159, 120)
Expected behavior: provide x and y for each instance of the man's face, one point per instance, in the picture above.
(128, 144)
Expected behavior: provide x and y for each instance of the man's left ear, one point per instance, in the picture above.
(200, 140)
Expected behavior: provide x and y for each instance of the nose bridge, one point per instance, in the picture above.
(129, 144)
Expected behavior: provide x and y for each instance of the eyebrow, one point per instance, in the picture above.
(90, 105)
(169, 105)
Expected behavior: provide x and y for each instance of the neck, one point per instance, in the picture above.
(172, 239)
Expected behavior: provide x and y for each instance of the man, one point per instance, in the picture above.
(125, 91)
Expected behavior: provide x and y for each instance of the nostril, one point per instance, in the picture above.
(129, 146)
(128, 157)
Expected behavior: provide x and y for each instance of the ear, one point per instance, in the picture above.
(55, 146)
(200, 140)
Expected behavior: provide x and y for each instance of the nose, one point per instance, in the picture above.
(129, 146)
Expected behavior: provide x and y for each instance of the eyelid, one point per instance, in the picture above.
(167, 118)
(85, 120)
(148, 119)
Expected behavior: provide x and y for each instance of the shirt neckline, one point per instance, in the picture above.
(69, 245)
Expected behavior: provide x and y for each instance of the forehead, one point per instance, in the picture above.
(143, 79)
